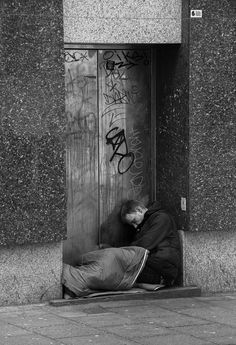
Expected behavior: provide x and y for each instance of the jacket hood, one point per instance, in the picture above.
(154, 207)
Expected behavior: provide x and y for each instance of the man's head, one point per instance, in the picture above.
(132, 213)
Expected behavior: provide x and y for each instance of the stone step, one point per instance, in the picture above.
(164, 293)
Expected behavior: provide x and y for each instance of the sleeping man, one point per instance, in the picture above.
(153, 257)
(155, 230)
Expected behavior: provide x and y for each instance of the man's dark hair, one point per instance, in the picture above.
(130, 206)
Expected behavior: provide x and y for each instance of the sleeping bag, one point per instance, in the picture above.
(105, 270)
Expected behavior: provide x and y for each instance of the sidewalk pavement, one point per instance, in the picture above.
(176, 321)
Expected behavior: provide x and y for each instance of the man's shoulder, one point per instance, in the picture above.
(159, 214)
(164, 219)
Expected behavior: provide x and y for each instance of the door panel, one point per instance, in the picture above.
(124, 126)
(108, 155)
(82, 152)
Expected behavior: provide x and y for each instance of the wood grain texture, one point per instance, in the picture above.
(108, 143)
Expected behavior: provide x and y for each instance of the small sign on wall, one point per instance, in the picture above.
(196, 14)
(183, 204)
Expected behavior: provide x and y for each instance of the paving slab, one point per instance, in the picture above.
(67, 330)
(195, 320)
(105, 339)
(173, 339)
(106, 320)
(28, 340)
(29, 321)
(209, 330)
(138, 331)
(8, 330)
(213, 314)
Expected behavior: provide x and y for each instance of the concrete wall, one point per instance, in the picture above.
(122, 21)
(212, 121)
(209, 260)
(32, 189)
(30, 273)
(196, 134)
(172, 158)
(32, 174)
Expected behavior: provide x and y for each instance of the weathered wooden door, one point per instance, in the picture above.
(109, 148)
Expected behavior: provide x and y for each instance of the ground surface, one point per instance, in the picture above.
(175, 321)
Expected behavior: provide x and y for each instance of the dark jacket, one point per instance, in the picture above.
(158, 234)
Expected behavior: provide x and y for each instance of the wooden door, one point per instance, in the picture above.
(108, 97)
(81, 152)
